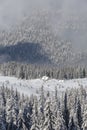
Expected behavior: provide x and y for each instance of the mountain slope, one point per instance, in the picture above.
(35, 33)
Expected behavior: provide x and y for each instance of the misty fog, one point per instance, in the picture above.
(12, 10)
(72, 17)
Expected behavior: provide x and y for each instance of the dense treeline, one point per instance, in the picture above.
(28, 71)
(66, 111)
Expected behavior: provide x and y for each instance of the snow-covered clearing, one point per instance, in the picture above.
(33, 86)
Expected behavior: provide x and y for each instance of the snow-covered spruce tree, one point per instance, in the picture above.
(60, 123)
(3, 104)
(3, 95)
(2, 118)
(16, 107)
(20, 121)
(57, 111)
(84, 125)
(42, 100)
(22, 114)
(66, 112)
(27, 112)
(79, 114)
(21, 73)
(35, 116)
(56, 105)
(50, 120)
(9, 112)
(41, 108)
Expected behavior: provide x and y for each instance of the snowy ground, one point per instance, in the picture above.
(33, 86)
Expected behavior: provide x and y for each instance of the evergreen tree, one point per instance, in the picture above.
(50, 119)
(16, 108)
(60, 123)
(41, 108)
(79, 114)
(84, 73)
(2, 118)
(35, 116)
(66, 112)
(84, 125)
(3, 98)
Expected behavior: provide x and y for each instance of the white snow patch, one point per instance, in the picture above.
(45, 78)
(33, 86)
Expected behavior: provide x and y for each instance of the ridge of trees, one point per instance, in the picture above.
(29, 71)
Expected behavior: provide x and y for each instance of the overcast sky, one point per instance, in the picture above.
(13, 10)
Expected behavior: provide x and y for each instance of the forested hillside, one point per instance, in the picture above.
(36, 40)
